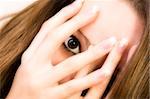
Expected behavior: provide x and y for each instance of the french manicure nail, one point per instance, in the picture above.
(81, 0)
(113, 40)
(109, 43)
(95, 9)
(122, 44)
(76, 2)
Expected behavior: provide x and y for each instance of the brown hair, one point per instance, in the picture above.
(133, 81)
(18, 33)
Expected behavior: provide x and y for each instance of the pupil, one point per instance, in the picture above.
(73, 43)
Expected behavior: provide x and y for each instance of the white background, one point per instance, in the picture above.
(8, 7)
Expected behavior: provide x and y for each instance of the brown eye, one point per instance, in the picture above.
(72, 44)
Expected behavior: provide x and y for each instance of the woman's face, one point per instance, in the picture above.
(116, 18)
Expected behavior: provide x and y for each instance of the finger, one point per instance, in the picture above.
(55, 39)
(101, 76)
(79, 97)
(94, 92)
(77, 62)
(109, 66)
(58, 19)
(81, 74)
(65, 13)
(89, 68)
(77, 85)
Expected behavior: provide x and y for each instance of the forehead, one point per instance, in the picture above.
(116, 18)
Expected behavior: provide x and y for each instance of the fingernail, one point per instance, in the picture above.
(123, 44)
(76, 2)
(109, 43)
(94, 9)
(80, 0)
(113, 40)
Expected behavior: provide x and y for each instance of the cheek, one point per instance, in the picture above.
(60, 55)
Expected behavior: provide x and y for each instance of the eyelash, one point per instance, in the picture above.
(66, 46)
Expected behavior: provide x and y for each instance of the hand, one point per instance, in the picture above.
(106, 71)
(37, 78)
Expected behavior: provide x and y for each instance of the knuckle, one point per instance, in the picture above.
(106, 74)
(48, 23)
(83, 18)
(66, 12)
(50, 94)
(69, 60)
(65, 9)
(78, 19)
(113, 61)
(25, 69)
(58, 93)
(25, 56)
(45, 24)
(69, 86)
(68, 63)
(70, 8)
(92, 52)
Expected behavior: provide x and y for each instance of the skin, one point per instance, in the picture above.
(43, 70)
(116, 18)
